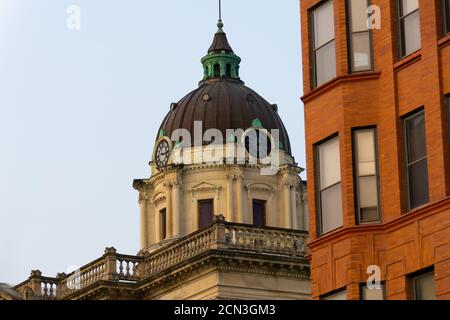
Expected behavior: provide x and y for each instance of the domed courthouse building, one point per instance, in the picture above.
(219, 217)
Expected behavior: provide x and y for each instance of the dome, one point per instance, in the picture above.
(222, 101)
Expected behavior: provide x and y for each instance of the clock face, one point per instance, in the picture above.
(162, 154)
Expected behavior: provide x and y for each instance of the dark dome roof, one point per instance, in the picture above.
(231, 105)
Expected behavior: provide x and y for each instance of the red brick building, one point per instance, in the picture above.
(377, 96)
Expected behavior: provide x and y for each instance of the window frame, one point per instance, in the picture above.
(342, 290)
(363, 285)
(210, 200)
(356, 177)
(405, 119)
(445, 16)
(312, 42)
(412, 280)
(401, 36)
(350, 34)
(264, 204)
(318, 196)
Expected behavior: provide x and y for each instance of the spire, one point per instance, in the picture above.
(221, 61)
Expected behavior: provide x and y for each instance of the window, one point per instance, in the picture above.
(416, 160)
(228, 70)
(446, 17)
(339, 295)
(366, 175)
(205, 213)
(423, 286)
(360, 43)
(162, 224)
(329, 185)
(216, 70)
(372, 294)
(324, 50)
(409, 20)
(259, 213)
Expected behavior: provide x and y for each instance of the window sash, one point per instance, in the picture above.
(353, 32)
(317, 47)
(330, 217)
(259, 213)
(405, 50)
(415, 199)
(421, 284)
(205, 213)
(446, 10)
(163, 224)
(366, 169)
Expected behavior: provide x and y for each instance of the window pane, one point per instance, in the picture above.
(329, 158)
(415, 130)
(368, 192)
(163, 224)
(361, 58)
(369, 215)
(323, 24)
(418, 184)
(372, 294)
(365, 145)
(331, 208)
(424, 287)
(325, 64)
(411, 33)
(409, 6)
(359, 15)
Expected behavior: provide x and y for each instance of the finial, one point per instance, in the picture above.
(220, 23)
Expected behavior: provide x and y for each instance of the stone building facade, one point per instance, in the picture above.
(218, 228)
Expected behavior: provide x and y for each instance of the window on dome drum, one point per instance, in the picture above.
(423, 286)
(446, 15)
(416, 159)
(323, 43)
(367, 293)
(337, 295)
(205, 213)
(329, 185)
(259, 213)
(360, 37)
(216, 70)
(228, 71)
(258, 144)
(409, 26)
(162, 224)
(366, 175)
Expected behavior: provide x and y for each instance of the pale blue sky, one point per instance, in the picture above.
(79, 111)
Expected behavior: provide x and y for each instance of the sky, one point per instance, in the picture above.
(80, 110)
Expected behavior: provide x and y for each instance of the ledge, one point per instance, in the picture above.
(444, 41)
(403, 220)
(361, 76)
(408, 60)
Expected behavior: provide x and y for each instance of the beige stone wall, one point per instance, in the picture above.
(232, 187)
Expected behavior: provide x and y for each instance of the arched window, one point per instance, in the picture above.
(216, 70)
(207, 71)
(228, 71)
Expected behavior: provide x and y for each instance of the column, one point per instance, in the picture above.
(294, 224)
(287, 205)
(169, 211)
(240, 200)
(230, 202)
(143, 219)
(176, 191)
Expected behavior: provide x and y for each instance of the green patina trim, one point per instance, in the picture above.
(256, 123)
(221, 65)
(231, 138)
(280, 145)
(162, 133)
(178, 144)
